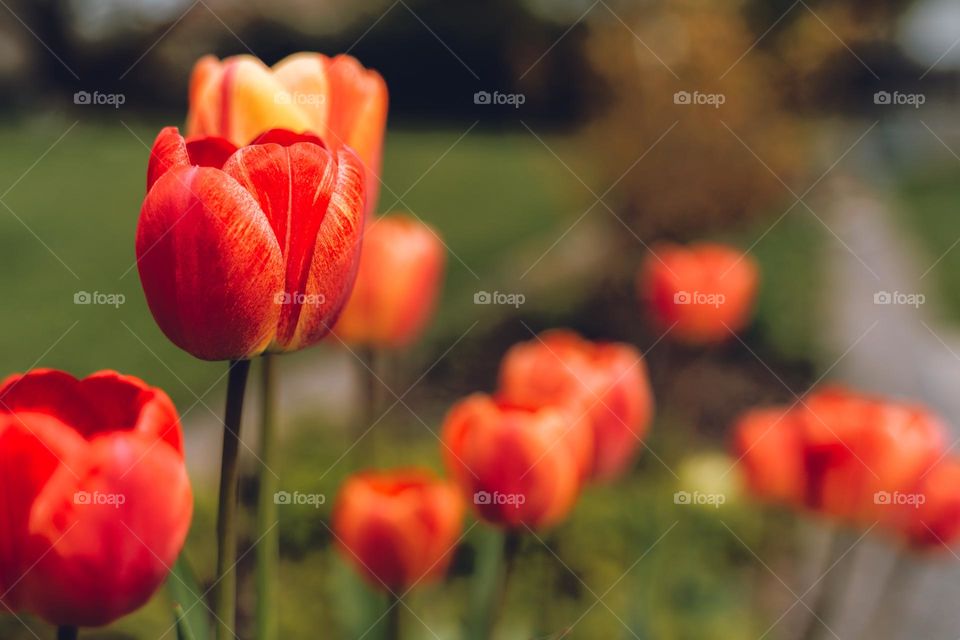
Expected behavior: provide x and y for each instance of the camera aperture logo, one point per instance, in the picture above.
(699, 298)
(500, 298)
(98, 498)
(899, 499)
(96, 98)
(714, 100)
(899, 298)
(301, 299)
(497, 98)
(99, 298)
(511, 499)
(299, 499)
(714, 500)
(915, 100)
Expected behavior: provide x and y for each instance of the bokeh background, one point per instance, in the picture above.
(833, 160)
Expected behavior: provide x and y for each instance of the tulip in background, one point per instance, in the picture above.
(703, 291)
(401, 270)
(335, 98)
(607, 383)
(95, 495)
(251, 250)
(398, 529)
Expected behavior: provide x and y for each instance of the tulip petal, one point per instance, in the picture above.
(170, 150)
(305, 77)
(107, 539)
(209, 264)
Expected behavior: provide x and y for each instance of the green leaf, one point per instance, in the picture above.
(189, 608)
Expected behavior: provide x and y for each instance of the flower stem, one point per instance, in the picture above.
(226, 580)
(392, 631)
(268, 549)
(489, 584)
(67, 633)
(830, 600)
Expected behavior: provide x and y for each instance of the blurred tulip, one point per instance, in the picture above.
(768, 445)
(247, 250)
(94, 492)
(604, 382)
(519, 466)
(929, 516)
(401, 268)
(840, 453)
(336, 98)
(704, 291)
(398, 528)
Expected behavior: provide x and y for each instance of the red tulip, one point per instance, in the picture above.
(768, 445)
(336, 98)
(398, 528)
(95, 495)
(929, 517)
(840, 453)
(248, 250)
(519, 466)
(605, 382)
(704, 291)
(401, 268)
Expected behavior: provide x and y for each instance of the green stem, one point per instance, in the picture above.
(489, 585)
(268, 549)
(392, 630)
(67, 633)
(372, 399)
(226, 580)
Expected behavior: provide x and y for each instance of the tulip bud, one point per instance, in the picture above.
(704, 291)
(248, 250)
(929, 516)
(606, 383)
(239, 98)
(519, 466)
(768, 446)
(401, 267)
(95, 494)
(399, 528)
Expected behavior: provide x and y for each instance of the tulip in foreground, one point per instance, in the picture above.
(336, 98)
(250, 250)
(605, 382)
(95, 495)
(398, 528)
(704, 291)
(401, 269)
(521, 467)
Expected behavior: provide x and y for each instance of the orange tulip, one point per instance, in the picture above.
(929, 517)
(605, 382)
(768, 445)
(519, 466)
(840, 453)
(704, 291)
(401, 267)
(398, 528)
(336, 98)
